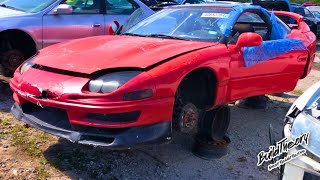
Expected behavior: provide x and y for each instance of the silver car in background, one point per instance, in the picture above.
(27, 26)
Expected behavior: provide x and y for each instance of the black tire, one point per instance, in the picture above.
(215, 123)
(11, 60)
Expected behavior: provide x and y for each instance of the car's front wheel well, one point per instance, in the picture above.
(194, 94)
(17, 40)
(198, 87)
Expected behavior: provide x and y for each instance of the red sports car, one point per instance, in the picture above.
(166, 71)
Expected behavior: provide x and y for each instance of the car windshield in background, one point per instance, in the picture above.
(26, 5)
(185, 23)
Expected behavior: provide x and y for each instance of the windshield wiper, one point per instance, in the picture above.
(9, 7)
(132, 34)
(167, 37)
(156, 36)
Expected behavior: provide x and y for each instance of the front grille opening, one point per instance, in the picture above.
(126, 117)
(50, 115)
(98, 130)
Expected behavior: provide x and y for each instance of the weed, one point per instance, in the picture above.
(298, 92)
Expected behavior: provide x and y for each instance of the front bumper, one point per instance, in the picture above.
(55, 121)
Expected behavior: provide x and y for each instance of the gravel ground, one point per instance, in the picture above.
(48, 157)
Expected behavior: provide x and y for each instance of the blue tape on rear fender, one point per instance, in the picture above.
(269, 50)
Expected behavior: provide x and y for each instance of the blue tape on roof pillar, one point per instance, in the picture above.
(277, 31)
(270, 49)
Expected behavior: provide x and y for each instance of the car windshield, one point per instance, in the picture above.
(32, 6)
(199, 24)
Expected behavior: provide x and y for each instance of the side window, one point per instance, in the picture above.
(84, 6)
(308, 13)
(249, 22)
(284, 25)
(248, 17)
(123, 7)
(299, 11)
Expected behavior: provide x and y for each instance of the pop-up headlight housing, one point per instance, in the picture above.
(26, 66)
(112, 81)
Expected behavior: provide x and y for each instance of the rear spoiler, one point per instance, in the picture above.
(301, 25)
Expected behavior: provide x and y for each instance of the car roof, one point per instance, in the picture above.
(226, 4)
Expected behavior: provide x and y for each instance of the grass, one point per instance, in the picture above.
(27, 140)
(32, 143)
(5, 122)
(298, 92)
(41, 171)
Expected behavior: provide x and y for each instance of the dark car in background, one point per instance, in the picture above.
(309, 18)
(284, 5)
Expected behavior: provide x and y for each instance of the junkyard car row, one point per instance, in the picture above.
(175, 69)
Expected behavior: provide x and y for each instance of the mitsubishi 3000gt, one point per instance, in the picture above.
(166, 72)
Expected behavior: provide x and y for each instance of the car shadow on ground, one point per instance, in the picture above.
(248, 132)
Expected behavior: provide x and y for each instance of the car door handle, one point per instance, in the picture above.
(96, 25)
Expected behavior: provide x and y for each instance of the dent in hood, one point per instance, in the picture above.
(104, 52)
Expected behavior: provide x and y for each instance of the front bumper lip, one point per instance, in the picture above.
(132, 137)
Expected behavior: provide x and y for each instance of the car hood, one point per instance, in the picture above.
(104, 52)
(5, 12)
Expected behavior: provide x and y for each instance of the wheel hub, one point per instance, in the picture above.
(14, 60)
(11, 61)
(188, 118)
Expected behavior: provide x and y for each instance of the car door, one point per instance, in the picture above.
(276, 69)
(86, 19)
(119, 10)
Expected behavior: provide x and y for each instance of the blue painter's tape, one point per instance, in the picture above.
(226, 24)
(277, 32)
(270, 49)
